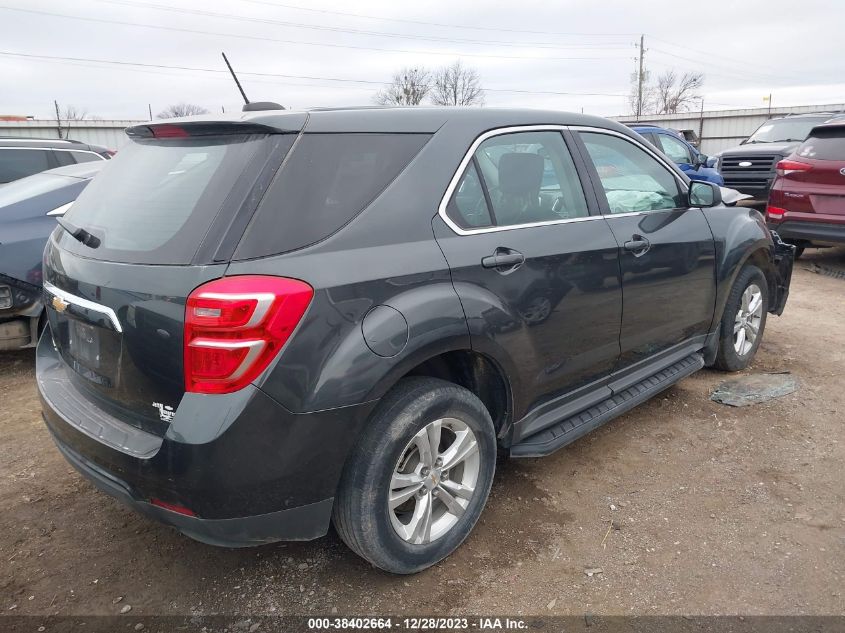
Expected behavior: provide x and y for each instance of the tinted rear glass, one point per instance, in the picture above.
(19, 163)
(155, 201)
(327, 180)
(825, 145)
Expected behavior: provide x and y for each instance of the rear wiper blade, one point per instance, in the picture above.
(79, 234)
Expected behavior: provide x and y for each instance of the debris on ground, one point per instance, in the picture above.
(754, 389)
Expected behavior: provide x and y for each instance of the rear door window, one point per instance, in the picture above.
(468, 207)
(825, 145)
(327, 180)
(156, 200)
(19, 162)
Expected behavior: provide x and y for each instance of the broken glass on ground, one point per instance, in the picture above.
(754, 389)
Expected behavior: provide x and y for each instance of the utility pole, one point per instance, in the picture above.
(701, 124)
(150, 109)
(640, 80)
(58, 118)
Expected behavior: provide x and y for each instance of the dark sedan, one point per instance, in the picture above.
(28, 211)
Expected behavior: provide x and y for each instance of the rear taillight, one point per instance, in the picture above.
(235, 326)
(775, 213)
(786, 167)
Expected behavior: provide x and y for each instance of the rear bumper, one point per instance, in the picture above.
(820, 232)
(250, 470)
(296, 524)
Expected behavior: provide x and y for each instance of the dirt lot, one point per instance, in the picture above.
(687, 506)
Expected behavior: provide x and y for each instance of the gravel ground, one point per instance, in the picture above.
(682, 506)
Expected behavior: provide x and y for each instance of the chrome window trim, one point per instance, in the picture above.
(83, 303)
(459, 172)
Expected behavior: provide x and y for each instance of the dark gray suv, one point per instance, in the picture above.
(263, 323)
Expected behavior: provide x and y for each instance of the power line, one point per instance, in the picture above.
(368, 82)
(438, 24)
(337, 29)
(300, 42)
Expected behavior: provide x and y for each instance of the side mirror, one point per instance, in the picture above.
(704, 194)
(699, 160)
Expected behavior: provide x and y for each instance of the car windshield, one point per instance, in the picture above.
(784, 130)
(30, 187)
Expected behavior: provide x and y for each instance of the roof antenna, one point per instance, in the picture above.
(235, 77)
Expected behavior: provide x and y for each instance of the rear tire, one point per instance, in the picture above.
(386, 510)
(743, 320)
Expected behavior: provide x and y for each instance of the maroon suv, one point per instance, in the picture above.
(807, 200)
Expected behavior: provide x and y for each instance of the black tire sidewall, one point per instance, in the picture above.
(379, 451)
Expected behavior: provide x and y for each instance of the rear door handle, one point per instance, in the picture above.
(503, 258)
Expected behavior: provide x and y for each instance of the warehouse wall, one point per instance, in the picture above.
(721, 129)
(106, 133)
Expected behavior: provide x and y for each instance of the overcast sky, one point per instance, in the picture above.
(564, 55)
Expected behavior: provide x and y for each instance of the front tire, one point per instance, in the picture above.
(419, 476)
(743, 320)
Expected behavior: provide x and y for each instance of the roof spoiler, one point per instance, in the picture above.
(188, 129)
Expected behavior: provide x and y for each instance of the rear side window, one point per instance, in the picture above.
(529, 178)
(327, 180)
(19, 163)
(154, 202)
(85, 157)
(824, 145)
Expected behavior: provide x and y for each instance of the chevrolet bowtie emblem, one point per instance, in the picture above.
(59, 304)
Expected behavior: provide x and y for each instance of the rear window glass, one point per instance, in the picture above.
(155, 201)
(327, 180)
(19, 163)
(825, 145)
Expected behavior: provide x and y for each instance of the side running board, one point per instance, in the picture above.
(570, 429)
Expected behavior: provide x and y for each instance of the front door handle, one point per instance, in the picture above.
(503, 258)
(638, 245)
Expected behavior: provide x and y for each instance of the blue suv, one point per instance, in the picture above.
(692, 162)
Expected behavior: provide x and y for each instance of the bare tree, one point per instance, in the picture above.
(72, 113)
(457, 85)
(677, 93)
(409, 86)
(181, 109)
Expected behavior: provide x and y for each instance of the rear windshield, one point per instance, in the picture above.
(155, 201)
(825, 145)
(326, 181)
(778, 130)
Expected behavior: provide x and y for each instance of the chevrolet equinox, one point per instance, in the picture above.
(263, 323)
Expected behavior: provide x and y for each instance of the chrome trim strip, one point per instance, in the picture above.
(56, 149)
(453, 183)
(84, 303)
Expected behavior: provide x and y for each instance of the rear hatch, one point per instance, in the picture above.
(820, 188)
(167, 212)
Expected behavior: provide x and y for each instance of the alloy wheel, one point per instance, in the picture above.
(434, 481)
(748, 319)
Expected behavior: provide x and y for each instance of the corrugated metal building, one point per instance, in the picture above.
(721, 129)
(106, 133)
